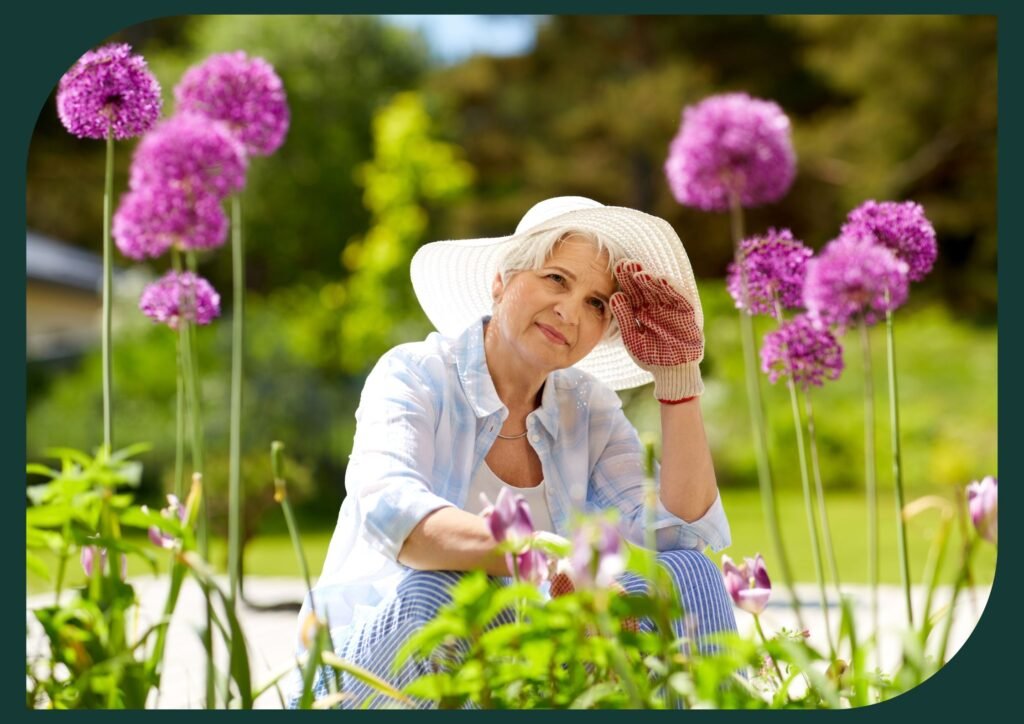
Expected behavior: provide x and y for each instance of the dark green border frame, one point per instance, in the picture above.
(44, 39)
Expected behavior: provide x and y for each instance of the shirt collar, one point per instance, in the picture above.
(471, 363)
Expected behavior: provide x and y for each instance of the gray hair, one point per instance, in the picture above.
(537, 248)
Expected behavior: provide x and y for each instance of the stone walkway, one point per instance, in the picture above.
(271, 633)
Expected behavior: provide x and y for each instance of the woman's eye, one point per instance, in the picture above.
(598, 305)
(557, 278)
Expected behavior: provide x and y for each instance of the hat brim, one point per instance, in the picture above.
(452, 279)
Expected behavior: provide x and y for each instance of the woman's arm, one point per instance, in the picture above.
(688, 484)
(451, 539)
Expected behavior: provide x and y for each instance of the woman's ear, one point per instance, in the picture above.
(497, 288)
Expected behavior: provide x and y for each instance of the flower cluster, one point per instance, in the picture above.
(175, 510)
(731, 144)
(245, 93)
(598, 555)
(180, 296)
(773, 267)
(150, 221)
(109, 90)
(852, 278)
(802, 351)
(91, 553)
(902, 228)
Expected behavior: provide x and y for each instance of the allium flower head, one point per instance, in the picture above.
(983, 502)
(731, 143)
(902, 227)
(598, 554)
(191, 153)
(747, 584)
(180, 295)
(109, 89)
(775, 265)
(243, 92)
(800, 350)
(150, 220)
(849, 279)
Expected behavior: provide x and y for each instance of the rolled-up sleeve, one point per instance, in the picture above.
(617, 481)
(393, 453)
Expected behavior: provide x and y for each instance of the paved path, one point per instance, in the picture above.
(271, 634)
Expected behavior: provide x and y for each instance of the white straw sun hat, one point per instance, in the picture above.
(452, 279)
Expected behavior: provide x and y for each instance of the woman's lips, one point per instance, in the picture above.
(553, 334)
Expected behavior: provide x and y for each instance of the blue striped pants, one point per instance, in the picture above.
(417, 599)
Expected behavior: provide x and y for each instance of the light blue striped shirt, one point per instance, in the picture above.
(428, 415)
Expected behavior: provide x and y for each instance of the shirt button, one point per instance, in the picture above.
(535, 438)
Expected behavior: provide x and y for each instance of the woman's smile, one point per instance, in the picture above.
(553, 334)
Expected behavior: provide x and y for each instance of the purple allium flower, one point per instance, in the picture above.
(109, 89)
(775, 265)
(983, 502)
(747, 584)
(598, 555)
(180, 295)
(191, 153)
(243, 92)
(902, 227)
(174, 509)
(88, 560)
(799, 349)
(150, 220)
(849, 279)
(731, 143)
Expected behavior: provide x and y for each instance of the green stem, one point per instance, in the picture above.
(108, 201)
(764, 472)
(179, 442)
(764, 640)
(237, 351)
(897, 468)
(871, 483)
(805, 483)
(195, 417)
(961, 580)
(820, 488)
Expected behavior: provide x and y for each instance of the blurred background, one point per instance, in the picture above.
(408, 129)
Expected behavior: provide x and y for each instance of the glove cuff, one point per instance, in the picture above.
(678, 381)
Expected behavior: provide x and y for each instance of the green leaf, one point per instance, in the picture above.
(48, 516)
(35, 564)
(329, 658)
(40, 469)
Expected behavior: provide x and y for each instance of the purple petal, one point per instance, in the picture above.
(753, 600)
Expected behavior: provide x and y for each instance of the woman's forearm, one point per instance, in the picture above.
(450, 539)
(688, 484)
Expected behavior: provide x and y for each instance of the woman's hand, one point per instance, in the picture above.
(660, 330)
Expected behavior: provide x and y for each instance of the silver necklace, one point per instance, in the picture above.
(513, 437)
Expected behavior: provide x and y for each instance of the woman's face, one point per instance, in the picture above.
(552, 317)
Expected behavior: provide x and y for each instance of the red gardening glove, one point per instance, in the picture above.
(660, 330)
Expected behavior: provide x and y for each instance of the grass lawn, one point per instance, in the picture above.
(272, 554)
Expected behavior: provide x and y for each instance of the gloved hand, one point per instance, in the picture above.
(660, 330)
(562, 585)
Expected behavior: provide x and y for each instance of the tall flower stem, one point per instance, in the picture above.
(108, 263)
(870, 481)
(897, 467)
(191, 364)
(179, 441)
(826, 529)
(764, 472)
(812, 524)
(237, 350)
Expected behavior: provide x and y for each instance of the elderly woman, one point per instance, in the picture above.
(537, 330)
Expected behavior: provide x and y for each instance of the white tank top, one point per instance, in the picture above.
(486, 482)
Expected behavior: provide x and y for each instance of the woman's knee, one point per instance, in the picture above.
(424, 593)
